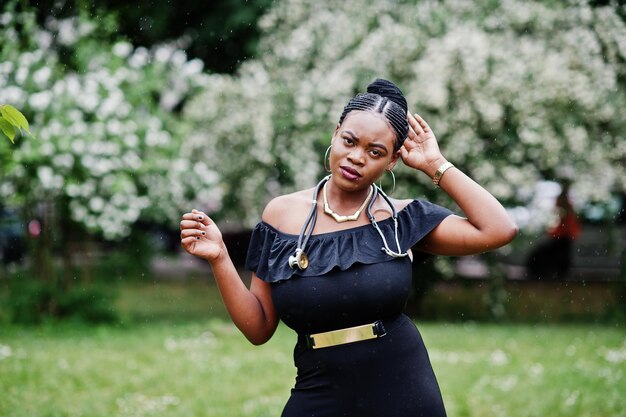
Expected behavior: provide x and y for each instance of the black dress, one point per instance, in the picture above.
(350, 282)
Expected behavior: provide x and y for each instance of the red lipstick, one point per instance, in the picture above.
(349, 173)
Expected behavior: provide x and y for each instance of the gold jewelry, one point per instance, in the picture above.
(440, 171)
(339, 218)
(348, 335)
(327, 167)
(393, 178)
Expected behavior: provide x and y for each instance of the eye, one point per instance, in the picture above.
(376, 153)
(348, 141)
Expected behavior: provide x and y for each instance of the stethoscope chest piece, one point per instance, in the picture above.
(300, 259)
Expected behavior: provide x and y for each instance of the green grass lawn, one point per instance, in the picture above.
(176, 354)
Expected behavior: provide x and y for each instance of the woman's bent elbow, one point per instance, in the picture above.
(501, 236)
(258, 340)
(260, 336)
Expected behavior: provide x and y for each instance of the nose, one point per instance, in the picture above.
(356, 156)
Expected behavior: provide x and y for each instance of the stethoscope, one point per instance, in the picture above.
(300, 258)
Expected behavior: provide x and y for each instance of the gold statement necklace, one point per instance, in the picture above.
(338, 217)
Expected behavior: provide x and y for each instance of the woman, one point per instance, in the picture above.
(336, 268)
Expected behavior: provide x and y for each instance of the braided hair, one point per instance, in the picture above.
(383, 97)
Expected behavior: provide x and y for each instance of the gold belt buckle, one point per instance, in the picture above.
(347, 335)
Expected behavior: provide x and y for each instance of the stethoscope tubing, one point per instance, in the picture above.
(309, 225)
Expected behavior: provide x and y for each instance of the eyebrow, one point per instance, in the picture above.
(356, 138)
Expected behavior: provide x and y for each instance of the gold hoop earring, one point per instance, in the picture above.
(393, 177)
(326, 156)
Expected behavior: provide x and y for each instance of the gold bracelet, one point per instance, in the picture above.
(440, 171)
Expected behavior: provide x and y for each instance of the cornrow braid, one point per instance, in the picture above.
(398, 119)
(383, 97)
(383, 102)
(362, 102)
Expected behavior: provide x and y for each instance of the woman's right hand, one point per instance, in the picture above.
(200, 236)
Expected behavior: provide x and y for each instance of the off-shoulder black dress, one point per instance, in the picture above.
(350, 282)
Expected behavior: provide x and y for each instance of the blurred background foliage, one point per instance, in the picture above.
(518, 93)
(222, 33)
(142, 111)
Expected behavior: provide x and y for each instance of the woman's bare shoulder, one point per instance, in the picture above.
(289, 210)
(381, 209)
(400, 204)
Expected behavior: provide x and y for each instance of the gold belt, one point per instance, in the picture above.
(347, 335)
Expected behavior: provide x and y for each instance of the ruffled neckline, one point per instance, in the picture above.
(325, 234)
(270, 248)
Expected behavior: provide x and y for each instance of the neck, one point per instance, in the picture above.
(345, 200)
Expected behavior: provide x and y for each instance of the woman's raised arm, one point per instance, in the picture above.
(252, 310)
(486, 226)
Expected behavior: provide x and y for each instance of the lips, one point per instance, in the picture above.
(350, 173)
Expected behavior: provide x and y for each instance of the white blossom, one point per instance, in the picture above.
(163, 53)
(5, 18)
(96, 204)
(44, 39)
(63, 161)
(122, 49)
(192, 67)
(12, 94)
(139, 58)
(41, 76)
(40, 101)
(67, 31)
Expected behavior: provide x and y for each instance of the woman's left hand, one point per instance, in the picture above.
(487, 224)
(421, 150)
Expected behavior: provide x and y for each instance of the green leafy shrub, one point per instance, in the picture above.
(107, 152)
(31, 301)
(93, 304)
(12, 120)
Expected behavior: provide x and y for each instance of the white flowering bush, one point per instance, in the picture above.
(108, 140)
(516, 93)
(240, 138)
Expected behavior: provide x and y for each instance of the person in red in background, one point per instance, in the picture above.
(553, 258)
(564, 232)
(34, 228)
